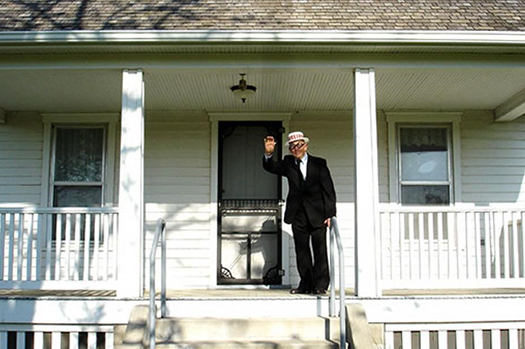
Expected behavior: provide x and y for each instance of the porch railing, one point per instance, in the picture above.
(429, 247)
(335, 241)
(58, 248)
(160, 235)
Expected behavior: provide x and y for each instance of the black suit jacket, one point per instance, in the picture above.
(316, 194)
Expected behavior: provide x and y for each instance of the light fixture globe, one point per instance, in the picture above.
(243, 90)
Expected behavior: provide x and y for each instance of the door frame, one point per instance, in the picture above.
(215, 118)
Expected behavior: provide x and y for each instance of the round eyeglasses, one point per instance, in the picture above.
(296, 146)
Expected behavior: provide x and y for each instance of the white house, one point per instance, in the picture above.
(113, 115)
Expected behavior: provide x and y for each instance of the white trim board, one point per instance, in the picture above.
(266, 36)
(76, 118)
(255, 116)
(59, 285)
(392, 310)
(511, 109)
(442, 309)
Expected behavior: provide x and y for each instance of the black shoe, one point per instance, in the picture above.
(320, 291)
(299, 291)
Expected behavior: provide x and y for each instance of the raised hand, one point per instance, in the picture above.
(269, 145)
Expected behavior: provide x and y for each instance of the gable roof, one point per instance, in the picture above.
(58, 15)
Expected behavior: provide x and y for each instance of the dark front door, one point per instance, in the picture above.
(249, 211)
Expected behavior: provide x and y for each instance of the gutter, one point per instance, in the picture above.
(483, 38)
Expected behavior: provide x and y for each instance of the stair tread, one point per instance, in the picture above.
(250, 329)
(258, 344)
(263, 318)
(246, 332)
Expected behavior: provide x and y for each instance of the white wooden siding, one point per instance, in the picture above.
(177, 188)
(21, 159)
(493, 159)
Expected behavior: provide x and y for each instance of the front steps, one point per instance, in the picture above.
(248, 333)
(260, 332)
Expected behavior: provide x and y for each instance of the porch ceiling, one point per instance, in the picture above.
(278, 89)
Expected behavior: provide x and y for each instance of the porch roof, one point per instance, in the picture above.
(68, 56)
(490, 15)
(81, 71)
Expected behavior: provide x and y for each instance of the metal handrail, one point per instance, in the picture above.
(160, 232)
(335, 237)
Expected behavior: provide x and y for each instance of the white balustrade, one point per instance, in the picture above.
(421, 247)
(56, 336)
(58, 247)
(509, 335)
(439, 247)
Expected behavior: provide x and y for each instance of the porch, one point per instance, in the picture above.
(453, 273)
(158, 127)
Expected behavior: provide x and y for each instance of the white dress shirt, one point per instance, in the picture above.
(303, 165)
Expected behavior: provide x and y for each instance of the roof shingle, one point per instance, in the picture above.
(490, 15)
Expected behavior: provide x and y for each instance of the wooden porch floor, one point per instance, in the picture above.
(253, 293)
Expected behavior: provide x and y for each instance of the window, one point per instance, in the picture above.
(424, 157)
(424, 165)
(78, 166)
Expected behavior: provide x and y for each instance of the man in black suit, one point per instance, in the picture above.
(309, 207)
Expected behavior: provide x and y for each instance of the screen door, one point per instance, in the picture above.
(249, 211)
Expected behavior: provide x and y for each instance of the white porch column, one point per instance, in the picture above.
(366, 179)
(131, 187)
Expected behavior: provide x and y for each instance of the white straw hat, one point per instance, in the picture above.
(296, 136)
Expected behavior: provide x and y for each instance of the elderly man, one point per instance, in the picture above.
(309, 207)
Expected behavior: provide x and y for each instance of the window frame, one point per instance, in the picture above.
(396, 120)
(401, 182)
(102, 183)
(54, 121)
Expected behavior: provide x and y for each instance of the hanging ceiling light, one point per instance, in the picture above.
(243, 90)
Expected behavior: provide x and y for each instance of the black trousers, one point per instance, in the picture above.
(314, 273)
